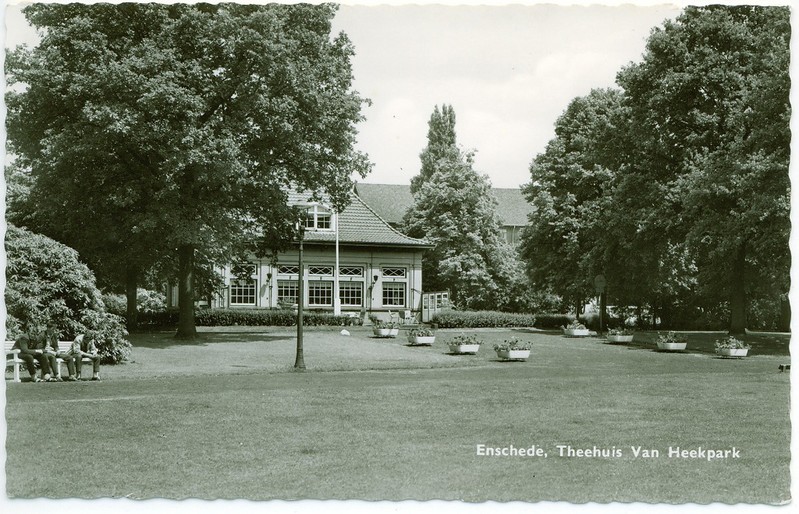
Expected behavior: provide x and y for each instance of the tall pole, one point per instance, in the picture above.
(336, 294)
(299, 362)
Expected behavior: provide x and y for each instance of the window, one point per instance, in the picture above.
(393, 272)
(351, 293)
(318, 218)
(288, 269)
(287, 291)
(243, 286)
(394, 294)
(242, 292)
(320, 293)
(350, 271)
(320, 270)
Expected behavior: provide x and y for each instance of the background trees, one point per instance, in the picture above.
(688, 189)
(159, 130)
(455, 210)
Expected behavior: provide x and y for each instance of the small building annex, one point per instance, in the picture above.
(380, 269)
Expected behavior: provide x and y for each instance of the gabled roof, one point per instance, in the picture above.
(359, 225)
(392, 200)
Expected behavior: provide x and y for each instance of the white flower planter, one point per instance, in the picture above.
(733, 352)
(382, 332)
(673, 347)
(393, 332)
(620, 339)
(464, 348)
(575, 332)
(422, 340)
(511, 355)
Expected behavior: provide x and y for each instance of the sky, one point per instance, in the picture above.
(508, 71)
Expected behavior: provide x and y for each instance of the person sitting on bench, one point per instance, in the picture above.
(53, 353)
(84, 346)
(30, 351)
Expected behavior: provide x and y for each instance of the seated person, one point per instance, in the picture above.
(30, 351)
(83, 346)
(52, 352)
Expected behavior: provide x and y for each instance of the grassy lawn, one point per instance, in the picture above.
(374, 419)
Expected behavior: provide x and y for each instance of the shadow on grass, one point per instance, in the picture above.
(164, 340)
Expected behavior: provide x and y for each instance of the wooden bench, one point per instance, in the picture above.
(12, 358)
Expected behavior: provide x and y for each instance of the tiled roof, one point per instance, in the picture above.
(512, 206)
(392, 200)
(359, 224)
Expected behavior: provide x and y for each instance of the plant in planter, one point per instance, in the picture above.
(732, 347)
(421, 336)
(575, 329)
(620, 335)
(464, 344)
(393, 329)
(671, 342)
(513, 349)
(380, 328)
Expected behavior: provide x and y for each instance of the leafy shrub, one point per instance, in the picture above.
(269, 317)
(147, 302)
(552, 321)
(462, 339)
(514, 343)
(47, 284)
(157, 319)
(477, 319)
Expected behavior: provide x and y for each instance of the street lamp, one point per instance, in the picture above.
(299, 360)
(336, 293)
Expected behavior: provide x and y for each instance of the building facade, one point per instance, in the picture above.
(379, 268)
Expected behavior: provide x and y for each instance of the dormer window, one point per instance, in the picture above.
(318, 218)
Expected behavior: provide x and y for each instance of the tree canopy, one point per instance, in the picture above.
(683, 191)
(157, 130)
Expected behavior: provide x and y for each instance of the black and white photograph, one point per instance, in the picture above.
(397, 257)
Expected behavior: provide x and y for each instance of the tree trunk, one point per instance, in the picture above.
(131, 286)
(186, 329)
(785, 314)
(738, 293)
(603, 311)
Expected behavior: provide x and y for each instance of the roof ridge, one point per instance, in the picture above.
(387, 224)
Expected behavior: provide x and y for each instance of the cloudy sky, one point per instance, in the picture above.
(508, 71)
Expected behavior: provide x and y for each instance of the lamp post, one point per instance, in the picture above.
(299, 361)
(336, 293)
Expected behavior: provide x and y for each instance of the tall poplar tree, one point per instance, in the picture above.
(441, 146)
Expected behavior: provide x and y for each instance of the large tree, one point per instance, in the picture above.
(710, 103)
(442, 146)
(168, 129)
(676, 188)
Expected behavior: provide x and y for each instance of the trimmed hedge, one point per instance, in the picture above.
(553, 321)
(272, 317)
(482, 319)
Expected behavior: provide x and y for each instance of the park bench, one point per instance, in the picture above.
(12, 358)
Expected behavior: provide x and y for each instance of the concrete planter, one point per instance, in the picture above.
(620, 339)
(422, 340)
(672, 347)
(513, 355)
(575, 332)
(733, 352)
(464, 348)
